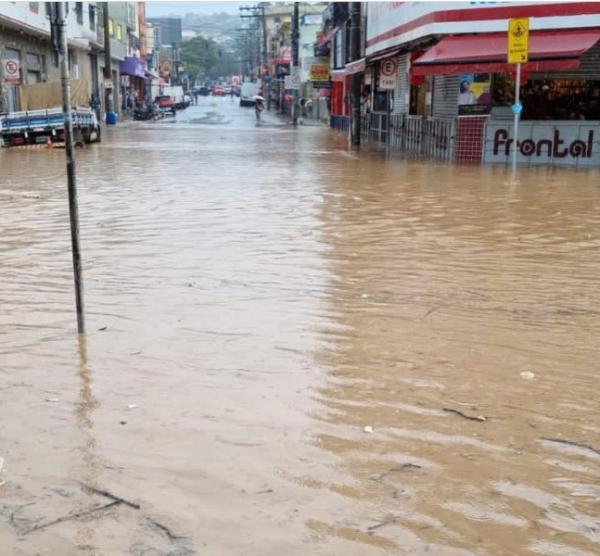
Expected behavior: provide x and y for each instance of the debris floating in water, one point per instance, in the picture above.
(527, 375)
(464, 415)
(368, 429)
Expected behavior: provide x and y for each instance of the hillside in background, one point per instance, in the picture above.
(221, 27)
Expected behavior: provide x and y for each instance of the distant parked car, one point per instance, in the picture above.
(203, 91)
(217, 91)
(166, 103)
(227, 90)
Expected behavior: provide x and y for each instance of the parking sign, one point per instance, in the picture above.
(10, 69)
(388, 71)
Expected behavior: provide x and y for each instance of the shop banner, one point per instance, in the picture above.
(318, 72)
(474, 94)
(10, 68)
(564, 143)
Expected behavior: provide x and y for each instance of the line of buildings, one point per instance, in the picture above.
(434, 77)
(143, 55)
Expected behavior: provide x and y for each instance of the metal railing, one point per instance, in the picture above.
(433, 137)
(341, 123)
(439, 138)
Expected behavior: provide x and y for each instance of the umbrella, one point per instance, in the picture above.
(258, 97)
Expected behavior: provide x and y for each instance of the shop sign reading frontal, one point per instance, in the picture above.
(561, 143)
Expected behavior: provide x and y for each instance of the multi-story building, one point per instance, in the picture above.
(438, 81)
(277, 24)
(133, 68)
(27, 57)
(168, 30)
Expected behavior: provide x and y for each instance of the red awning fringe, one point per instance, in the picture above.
(495, 67)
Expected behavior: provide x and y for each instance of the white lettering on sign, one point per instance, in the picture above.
(292, 82)
(559, 143)
(10, 69)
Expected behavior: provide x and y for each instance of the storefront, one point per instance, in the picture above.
(133, 81)
(560, 94)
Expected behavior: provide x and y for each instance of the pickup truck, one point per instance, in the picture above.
(33, 127)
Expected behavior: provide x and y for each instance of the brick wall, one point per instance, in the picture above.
(469, 138)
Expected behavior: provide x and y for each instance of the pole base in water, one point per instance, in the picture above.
(111, 118)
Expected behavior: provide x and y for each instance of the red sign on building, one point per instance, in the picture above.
(10, 68)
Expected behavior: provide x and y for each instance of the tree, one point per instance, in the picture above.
(228, 64)
(199, 55)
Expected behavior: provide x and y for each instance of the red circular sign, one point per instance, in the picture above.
(11, 67)
(388, 67)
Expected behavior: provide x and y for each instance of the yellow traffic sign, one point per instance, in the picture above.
(518, 40)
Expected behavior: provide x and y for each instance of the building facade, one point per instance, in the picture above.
(28, 72)
(168, 30)
(26, 54)
(436, 76)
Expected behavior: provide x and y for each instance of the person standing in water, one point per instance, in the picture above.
(259, 106)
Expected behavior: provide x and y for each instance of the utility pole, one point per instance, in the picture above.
(355, 87)
(175, 56)
(253, 30)
(259, 28)
(60, 27)
(265, 56)
(111, 117)
(295, 40)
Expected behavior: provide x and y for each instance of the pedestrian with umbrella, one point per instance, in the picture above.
(259, 106)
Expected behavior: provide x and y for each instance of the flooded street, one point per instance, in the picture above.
(294, 349)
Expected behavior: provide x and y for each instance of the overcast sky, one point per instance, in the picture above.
(158, 9)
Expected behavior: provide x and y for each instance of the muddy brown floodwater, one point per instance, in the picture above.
(296, 350)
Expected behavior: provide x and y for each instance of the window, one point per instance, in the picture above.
(111, 27)
(119, 32)
(34, 62)
(73, 65)
(34, 68)
(34, 7)
(92, 17)
(79, 12)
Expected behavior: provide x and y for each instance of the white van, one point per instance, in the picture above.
(247, 94)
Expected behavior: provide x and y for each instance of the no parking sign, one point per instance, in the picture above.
(388, 71)
(10, 68)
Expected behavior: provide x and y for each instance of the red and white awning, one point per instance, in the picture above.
(486, 53)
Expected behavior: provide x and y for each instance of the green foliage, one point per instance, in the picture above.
(199, 55)
(228, 64)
